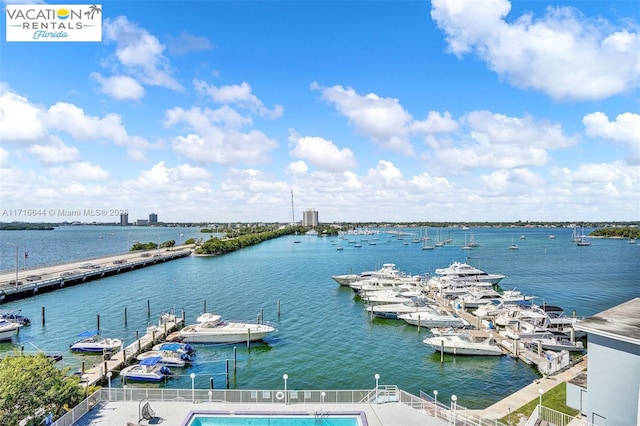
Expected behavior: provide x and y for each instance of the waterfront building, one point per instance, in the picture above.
(142, 222)
(153, 219)
(613, 378)
(310, 217)
(124, 219)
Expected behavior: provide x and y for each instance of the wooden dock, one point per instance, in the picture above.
(98, 374)
(48, 278)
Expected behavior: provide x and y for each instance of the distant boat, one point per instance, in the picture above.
(552, 237)
(583, 241)
(513, 245)
(632, 241)
(339, 248)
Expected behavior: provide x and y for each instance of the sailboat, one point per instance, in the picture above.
(473, 243)
(582, 241)
(513, 245)
(426, 245)
(466, 246)
(439, 242)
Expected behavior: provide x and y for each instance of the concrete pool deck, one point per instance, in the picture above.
(127, 413)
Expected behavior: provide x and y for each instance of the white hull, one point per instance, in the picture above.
(8, 334)
(96, 345)
(140, 373)
(212, 329)
(454, 345)
(433, 321)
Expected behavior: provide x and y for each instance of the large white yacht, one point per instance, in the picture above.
(465, 271)
(211, 328)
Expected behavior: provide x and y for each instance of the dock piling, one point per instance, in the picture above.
(235, 360)
(98, 328)
(125, 315)
(227, 374)
(148, 308)
(442, 351)
(204, 307)
(43, 315)
(278, 308)
(249, 340)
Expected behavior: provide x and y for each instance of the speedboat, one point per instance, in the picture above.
(392, 310)
(463, 344)
(91, 342)
(181, 348)
(211, 328)
(148, 370)
(8, 329)
(15, 316)
(167, 358)
(433, 319)
(465, 271)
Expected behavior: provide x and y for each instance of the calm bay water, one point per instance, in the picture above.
(325, 339)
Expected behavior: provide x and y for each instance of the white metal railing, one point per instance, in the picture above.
(233, 396)
(554, 418)
(455, 415)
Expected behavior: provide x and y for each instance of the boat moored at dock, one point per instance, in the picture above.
(211, 328)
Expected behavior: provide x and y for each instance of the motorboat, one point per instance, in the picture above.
(15, 316)
(478, 298)
(147, 370)
(392, 310)
(388, 270)
(554, 341)
(181, 348)
(464, 343)
(211, 328)
(91, 342)
(434, 319)
(8, 329)
(167, 358)
(458, 270)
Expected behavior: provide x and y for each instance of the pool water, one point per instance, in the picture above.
(217, 420)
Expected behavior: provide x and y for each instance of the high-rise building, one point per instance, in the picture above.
(310, 218)
(124, 219)
(153, 219)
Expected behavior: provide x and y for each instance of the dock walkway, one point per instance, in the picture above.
(117, 361)
(20, 284)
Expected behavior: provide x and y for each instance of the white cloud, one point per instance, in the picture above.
(322, 153)
(240, 95)
(20, 121)
(82, 171)
(140, 53)
(383, 120)
(544, 53)
(200, 119)
(55, 151)
(120, 87)
(297, 168)
(435, 123)
(624, 130)
(73, 120)
(387, 175)
(218, 145)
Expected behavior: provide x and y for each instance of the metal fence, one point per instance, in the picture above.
(453, 414)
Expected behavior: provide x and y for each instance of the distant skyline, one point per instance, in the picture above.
(369, 111)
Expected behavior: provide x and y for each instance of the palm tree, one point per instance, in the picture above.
(93, 9)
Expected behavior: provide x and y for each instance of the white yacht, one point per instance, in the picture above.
(464, 343)
(479, 297)
(211, 328)
(465, 271)
(392, 310)
(8, 329)
(433, 319)
(167, 358)
(388, 270)
(91, 342)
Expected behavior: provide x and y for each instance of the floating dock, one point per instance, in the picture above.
(117, 361)
(21, 284)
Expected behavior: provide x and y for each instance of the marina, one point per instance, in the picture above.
(320, 321)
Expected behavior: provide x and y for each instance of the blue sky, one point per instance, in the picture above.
(449, 110)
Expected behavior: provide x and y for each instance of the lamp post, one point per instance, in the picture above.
(435, 403)
(454, 400)
(193, 387)
(285, 376)
(377, 377)
(109, 374)
(540, 392)
(322, 395)
(16, 246)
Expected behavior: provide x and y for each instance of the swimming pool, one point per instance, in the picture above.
(275, 419)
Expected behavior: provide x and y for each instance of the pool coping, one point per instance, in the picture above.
(192, 413)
